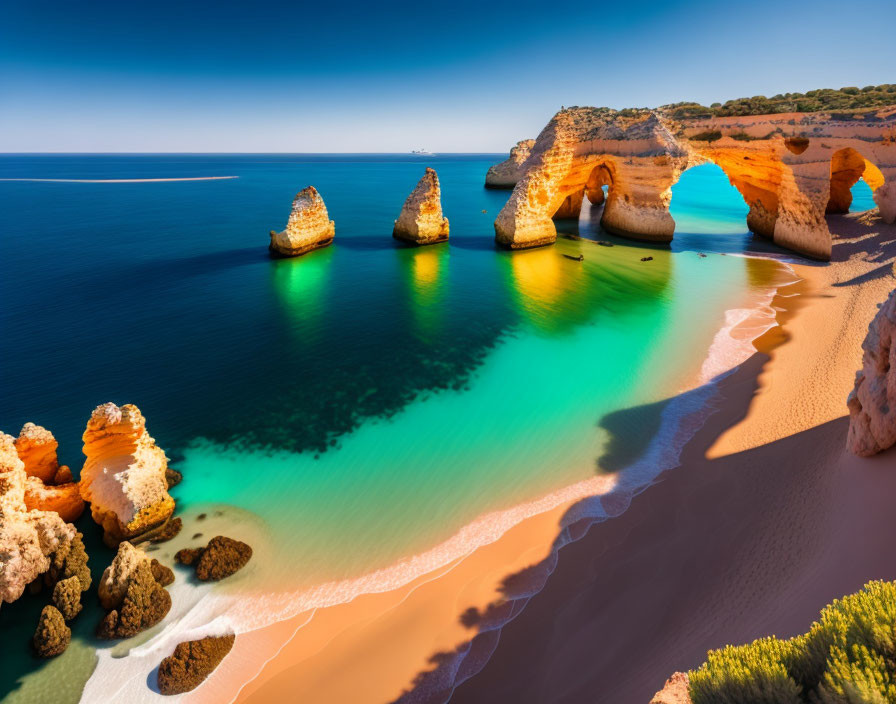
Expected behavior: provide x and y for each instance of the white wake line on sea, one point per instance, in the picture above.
(200, 612)
(118, 180)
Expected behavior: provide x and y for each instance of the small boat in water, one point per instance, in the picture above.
(422, 152)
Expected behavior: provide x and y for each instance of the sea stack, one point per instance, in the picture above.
(123, 477)
(309, 226)
(872, 403)
(421, 220)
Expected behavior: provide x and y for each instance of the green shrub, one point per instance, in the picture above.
(847, 657)
(709, 136)
(823, 99)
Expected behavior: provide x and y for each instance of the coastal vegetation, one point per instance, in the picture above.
(824, 99)
(848, 655)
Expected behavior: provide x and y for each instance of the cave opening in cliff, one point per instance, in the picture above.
(853, 181)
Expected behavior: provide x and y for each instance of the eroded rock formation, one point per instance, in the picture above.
(309, 226)
(872, 403)
(67, 597)
(30, 540)
(191, 662)
(130, 590)
(49, 487)
(508, 173)
(790, 168)
(52, 635)
(421, 220)
(221, 558)
(582, 149)
(123, 477)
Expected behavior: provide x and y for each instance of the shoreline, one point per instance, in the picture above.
(309, 636)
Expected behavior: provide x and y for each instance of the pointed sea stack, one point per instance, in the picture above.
(309, 226)
(421, 221)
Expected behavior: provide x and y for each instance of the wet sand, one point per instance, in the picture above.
(767, 520)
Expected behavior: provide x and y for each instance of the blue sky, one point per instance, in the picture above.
(378, 76)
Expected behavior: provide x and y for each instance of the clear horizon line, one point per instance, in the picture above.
(56, 153)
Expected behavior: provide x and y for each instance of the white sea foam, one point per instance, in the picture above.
(201, 611)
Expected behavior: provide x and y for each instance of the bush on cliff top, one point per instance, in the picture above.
(847, 657)
(825, 99)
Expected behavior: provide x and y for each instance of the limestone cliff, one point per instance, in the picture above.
(28, 538)
(675, 691)
(49, 487)
(123, 477)
(511, 170)
(421, 220)
(580, 151)
(791, 168)
(309, 226)
(872, 403)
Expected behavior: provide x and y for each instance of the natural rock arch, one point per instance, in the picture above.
(641, 155)
(847, 167)
(781, 164)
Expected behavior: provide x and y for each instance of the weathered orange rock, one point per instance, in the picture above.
(49, 487)
(675, 691)
(508, 173)
(309, 226)
(582, 149)
(64, 499)
(790, 168)
(421, 220)
(123, 477)
(29, 539)
(872, 403)
(37, 447)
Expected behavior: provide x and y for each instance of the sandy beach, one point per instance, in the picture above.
(767, 519)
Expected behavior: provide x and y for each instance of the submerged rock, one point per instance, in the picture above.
(421, 220)
(192, 662)
(67, 597)
(309, 226)
(872, 403)
(221, 558)
(28, 539)
(124, 475)
(52, 635)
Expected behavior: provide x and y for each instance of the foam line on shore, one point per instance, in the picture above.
(590, 501)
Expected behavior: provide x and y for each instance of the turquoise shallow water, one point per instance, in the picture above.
(366, 400)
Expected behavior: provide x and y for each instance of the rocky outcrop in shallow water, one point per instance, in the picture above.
(135, 598)
(510, 171)
(872, 403)
(191, 662)
(221, 558)
(789, 168)
(30, 540)
(52, 635)
(309, 226)
(123, 477)
(421, 220)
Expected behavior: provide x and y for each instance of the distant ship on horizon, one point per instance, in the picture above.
(422, 152)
